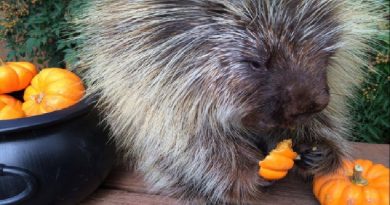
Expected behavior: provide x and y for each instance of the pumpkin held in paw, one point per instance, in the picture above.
(277, 163)
(52, 89)
(15, 76)
(10, 108)
(359, 182)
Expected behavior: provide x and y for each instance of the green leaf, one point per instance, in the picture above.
(31, 43)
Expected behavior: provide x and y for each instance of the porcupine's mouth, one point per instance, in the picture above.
(259, 123)
(265, 131)
(265, 124)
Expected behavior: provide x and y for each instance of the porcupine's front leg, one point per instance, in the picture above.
(320, 155)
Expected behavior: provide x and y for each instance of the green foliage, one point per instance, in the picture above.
(371, 106)
(35, 33)
(71, 38)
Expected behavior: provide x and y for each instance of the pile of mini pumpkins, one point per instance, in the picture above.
(49, 90)
(358, 182)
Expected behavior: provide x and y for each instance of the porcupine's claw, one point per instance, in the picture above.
(311, 157)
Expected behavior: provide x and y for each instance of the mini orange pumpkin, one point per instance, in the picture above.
(10, 108)
(52, 89)
(16, 76)
(357, 183)
(277, 163)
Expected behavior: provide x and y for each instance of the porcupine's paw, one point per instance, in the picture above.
(315, 159)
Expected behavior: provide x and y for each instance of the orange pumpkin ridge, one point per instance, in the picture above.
(52, 89)
(277, 163)
(10, 108)
(15, 76)
(358, 182)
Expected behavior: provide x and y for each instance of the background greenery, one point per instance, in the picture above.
(34, 29)
(370, 107)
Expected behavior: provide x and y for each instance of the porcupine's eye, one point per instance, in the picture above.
(259, 62)
(256, 66)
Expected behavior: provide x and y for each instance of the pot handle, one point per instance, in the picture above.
(29, 179)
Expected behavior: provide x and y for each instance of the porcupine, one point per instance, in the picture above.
(196, 92)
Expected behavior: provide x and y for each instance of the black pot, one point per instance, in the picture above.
(55, 158)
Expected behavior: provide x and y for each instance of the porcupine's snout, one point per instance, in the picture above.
(300, 99)
(291, 99)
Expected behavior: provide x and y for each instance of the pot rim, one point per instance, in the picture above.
(33, 122)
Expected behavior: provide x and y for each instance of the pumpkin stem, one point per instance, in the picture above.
(2, 62)
(357, 175)
(38, 98)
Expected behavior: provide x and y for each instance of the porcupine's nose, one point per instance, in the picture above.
(300, 102)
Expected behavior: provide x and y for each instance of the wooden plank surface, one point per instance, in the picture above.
(119, 197)
(123, 187)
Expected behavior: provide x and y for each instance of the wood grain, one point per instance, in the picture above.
(119, 197)
(378, 153)
(123, 187)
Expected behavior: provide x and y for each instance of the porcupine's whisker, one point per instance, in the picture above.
(338, 94)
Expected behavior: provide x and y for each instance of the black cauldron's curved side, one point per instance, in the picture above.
(56, 158)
